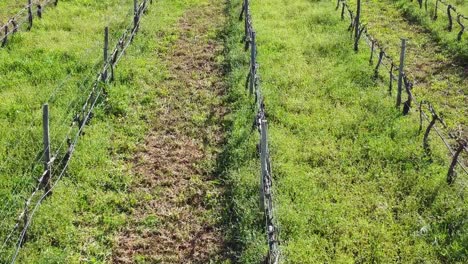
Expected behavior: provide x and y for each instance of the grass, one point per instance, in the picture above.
(438, 28)
(10, 8)
(437, 70)
(79, 222)
(352, 181)
(34, 71)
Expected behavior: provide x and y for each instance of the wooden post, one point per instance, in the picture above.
(39, 11)
(5, 38)
(253, 62)
(246, 21)
(135, 14)
(106, 47)
(263, 160)
(46, 139)
(435, 10)
(451, 175)
(30, 15)
(400, 71)
(356, 26)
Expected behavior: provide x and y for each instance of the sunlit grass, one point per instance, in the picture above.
(351, 179)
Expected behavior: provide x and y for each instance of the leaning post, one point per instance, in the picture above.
(106, 53)
(46, 140)
(400, 71)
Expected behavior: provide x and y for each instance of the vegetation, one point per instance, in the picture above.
(438, 28)
(438, 71)
(9, 9)
(79, 221)
(352, 182)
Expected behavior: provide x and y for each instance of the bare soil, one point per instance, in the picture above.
(178, 215)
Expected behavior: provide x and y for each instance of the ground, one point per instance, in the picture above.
(177, 167)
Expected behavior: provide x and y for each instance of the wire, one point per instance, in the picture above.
(63, 122)
(368, 36)
(87, 108)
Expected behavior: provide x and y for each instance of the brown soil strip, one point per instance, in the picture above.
(177, 218)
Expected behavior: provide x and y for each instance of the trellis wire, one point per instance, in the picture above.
(63, 122)
(82, 119)
(449, 8)
(408, 83)
(16, 21)
(266, 178)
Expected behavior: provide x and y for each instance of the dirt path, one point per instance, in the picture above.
(178, 220)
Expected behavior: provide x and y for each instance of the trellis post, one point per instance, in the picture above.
(30, 14)
(46, 139)
(400, 71)
(356, 26)
(106, 51)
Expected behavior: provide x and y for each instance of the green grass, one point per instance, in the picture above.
(352, 182)
(351, 179)
(438, 28)
(435, 64)
(48, 64)
(9, 8)
(90, 205)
